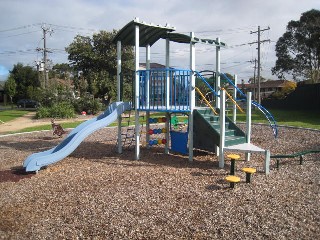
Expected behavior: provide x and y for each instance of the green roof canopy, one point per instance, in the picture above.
(148, 33)
(151, 33)
(182, 38)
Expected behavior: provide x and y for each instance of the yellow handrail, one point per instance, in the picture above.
(207, 102)
(231, 98)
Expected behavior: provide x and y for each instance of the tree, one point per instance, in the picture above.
(287, 88)
(10, 87)
(62, 71)
(95, 57)
(298, 50)
(24, 77)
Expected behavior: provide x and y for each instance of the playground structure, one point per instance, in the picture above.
(169, 91)
(173, 90)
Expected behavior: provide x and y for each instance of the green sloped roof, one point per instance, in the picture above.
(182, 38)
(178, 37)
(151, 33)
(148, 33)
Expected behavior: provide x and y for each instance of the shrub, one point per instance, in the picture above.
(89, 105)
(43, 112)
(59, 110)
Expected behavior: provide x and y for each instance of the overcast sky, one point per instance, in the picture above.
(230, 20)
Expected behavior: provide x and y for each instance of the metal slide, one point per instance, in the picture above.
(37, 160)
(266, 113)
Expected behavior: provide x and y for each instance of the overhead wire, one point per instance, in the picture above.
(18, 28)
(19, 34)
(155, 55)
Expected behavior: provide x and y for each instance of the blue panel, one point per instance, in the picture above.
(179, 141)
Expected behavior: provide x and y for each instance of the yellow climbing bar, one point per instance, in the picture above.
(207, 102)
(231, 98)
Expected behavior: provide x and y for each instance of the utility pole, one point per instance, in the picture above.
(259, 63)
(255, 80)
(254, 97)
(45, 50)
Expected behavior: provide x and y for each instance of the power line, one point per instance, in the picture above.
(18, 28)
(19, 34)
(74, 28)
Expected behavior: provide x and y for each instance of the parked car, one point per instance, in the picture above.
(27, 103)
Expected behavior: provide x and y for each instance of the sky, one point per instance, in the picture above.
(21, 33)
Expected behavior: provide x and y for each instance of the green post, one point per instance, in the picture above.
(301, 159)
(248, 177)
(232, 167)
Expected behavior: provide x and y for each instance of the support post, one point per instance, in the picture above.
(148, 76)
(136, 112)
(267, 162)
(218, 72)
(192, 95)
(167, 135)
(147, 128)
(234, 107)
(167, 85)
(147, 94)
(248, 122)
(222, 127)
(119, 94)
(217, 85)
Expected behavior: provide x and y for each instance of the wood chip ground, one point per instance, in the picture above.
(96, 193)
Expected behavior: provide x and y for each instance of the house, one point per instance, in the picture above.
(266, 88)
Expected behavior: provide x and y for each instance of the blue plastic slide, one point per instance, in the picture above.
(37, 160)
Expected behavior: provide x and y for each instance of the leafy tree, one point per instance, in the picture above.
(10, 87)
(95, 57)
(25, 77)
(61, 70)
(298, 50)
(288, 87)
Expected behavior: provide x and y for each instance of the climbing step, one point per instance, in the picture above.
(232, 180)
(249, 171)
(207, 126)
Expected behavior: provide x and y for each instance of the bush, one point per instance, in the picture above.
(59, 110)
(89, 105)
(43, 112)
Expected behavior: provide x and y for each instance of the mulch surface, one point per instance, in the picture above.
(14, 175)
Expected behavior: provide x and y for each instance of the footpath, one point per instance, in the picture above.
(28, 120)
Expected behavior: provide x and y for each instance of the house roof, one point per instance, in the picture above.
(268, 84)
(152, 66)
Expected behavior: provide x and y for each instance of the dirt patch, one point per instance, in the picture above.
(14, 175)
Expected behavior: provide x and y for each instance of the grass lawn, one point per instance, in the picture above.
(8, 115)
(304, 119)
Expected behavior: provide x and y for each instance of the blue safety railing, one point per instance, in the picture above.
(266, 113)
(156, 95)
(198, 74)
